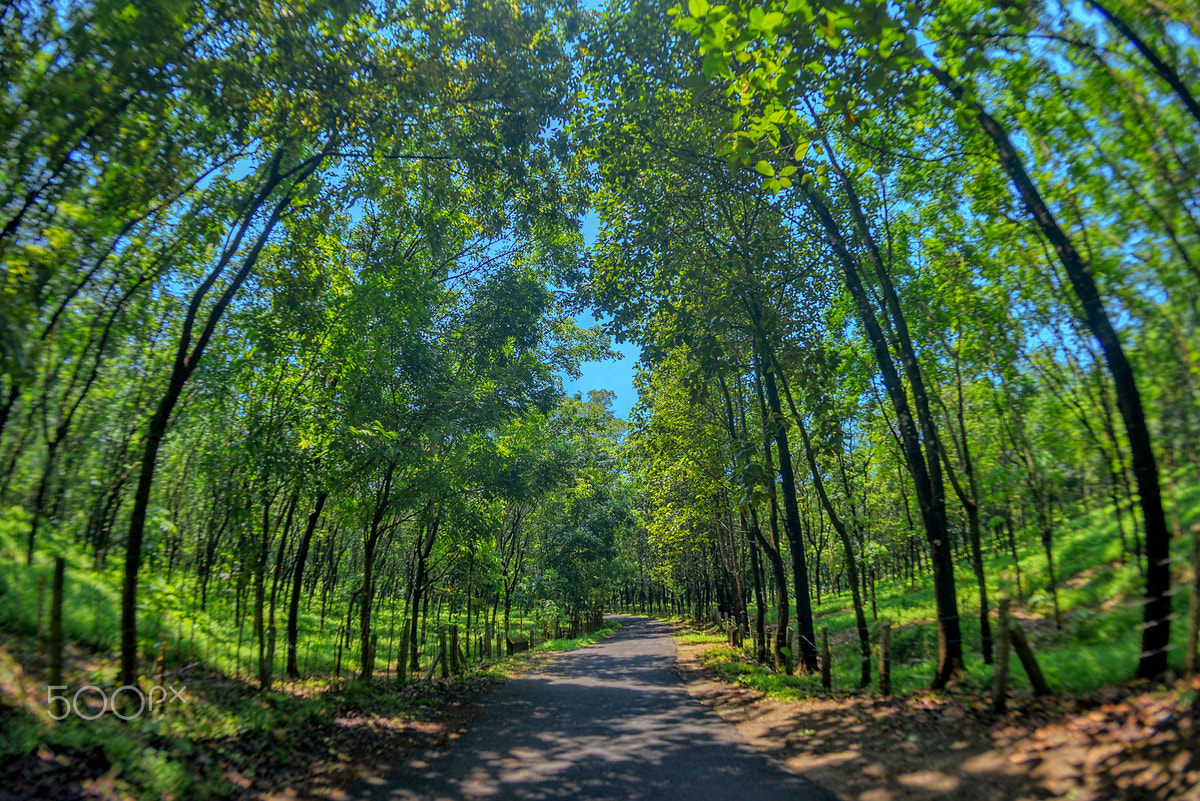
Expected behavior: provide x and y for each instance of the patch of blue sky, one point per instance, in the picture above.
(615, 375)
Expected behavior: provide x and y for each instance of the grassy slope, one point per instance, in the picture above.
(228, 735)
(1099, 597)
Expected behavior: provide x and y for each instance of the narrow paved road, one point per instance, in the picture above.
(610, 721)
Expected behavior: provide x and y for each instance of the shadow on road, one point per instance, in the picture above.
(609, 721)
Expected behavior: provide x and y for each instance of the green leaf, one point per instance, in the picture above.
(715, 62)
(801, 8)
(763, 167)
(698, 8)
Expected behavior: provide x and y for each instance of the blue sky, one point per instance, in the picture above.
(616, 375)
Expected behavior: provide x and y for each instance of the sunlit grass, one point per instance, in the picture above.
(227, 719)
(170, 616)
(609, 628)
(1100, 598)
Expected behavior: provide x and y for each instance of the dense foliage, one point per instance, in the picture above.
(286, 313)
(289, 292)
(915, 284)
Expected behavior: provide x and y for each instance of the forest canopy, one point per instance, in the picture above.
(289, 292)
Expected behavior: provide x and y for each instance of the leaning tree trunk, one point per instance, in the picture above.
(970, 503)
(1161, 67)
(187, 357)
(293, 624)
(860, 616)
(928, 469)
(1156, 629)
(791, 519)
(929, 497)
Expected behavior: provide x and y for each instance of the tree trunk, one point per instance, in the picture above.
(293, 624)
(187, 357)
(860, 617)
(1161, 67)
(760, 616)
(382, 503)
(137, 524)
(930, 499)
(791, 518)
(420, 591)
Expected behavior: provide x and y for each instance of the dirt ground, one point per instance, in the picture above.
(1126, 744)
(315, 763)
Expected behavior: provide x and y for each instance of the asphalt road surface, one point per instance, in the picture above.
(610, 721)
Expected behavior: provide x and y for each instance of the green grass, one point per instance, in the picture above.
(1100, 599)
(169, 613)
(227, 725)
(609, 628)
(732, 665)
(189, 749)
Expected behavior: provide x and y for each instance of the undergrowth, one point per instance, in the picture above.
(1099, 600)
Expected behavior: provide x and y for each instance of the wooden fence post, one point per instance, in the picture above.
(1193, 630)
(1000, 677)
(337, 671)
(455, 664)
(1028, 660)
(160, 661)
(402, 661)
(41, 606)
(442, 655)
(826, 666)
(885, 658)
(56, 630)
(160, 670)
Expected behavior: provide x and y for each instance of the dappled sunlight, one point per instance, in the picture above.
(609, 721)
(310, 314)
(948, 746)
(930, 780)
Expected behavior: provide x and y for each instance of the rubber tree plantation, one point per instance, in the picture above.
(291, 295)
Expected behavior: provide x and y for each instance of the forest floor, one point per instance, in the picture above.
(1128, 742)
(299, 741)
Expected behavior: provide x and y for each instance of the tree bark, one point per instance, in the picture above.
(791, 526)
(860, 617)
(929, 497)
(1163, 70)
(424, 549)
(382, 504)
(293, 624)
